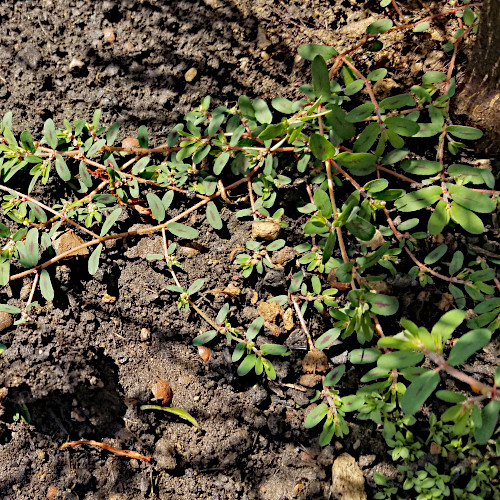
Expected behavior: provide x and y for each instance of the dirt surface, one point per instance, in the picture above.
(84, 369)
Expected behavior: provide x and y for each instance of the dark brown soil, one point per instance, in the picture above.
(83, 370)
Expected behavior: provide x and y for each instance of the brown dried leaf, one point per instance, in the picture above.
(315, 361)
(107, 447)
(204, 353)
(161, 390)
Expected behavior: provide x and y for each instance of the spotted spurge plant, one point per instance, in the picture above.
(375, 204)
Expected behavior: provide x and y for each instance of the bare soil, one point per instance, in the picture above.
(83, 370)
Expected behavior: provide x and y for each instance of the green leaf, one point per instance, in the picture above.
(468, 344)
(320, 78)
(272, 131)
(96, 118)
(93, 264)
(439, 218)
(421, 27)
(399, 359)
(205, 338)
(142, 136)
(360, 228)
(328, 431)
(246, 107)
(297, 279)
(376, 185)
(394, 156)
(450, 396)
(46, 285)
(9, 309)
(27, 141)
(276, 245)
(322, 201)
(213, 216)
(110, 220)
(397, 101)
(489, 417)
(316, 415)
(310, 51)
(401, 126)
(49, 133)
(201, 154)
(382, 304)
(262, 112)
(468, 133)
(238, 352)
(417, 200)
(418, 392)
(333, 376)
(467, 219)
(186, 232)
(221, 161)
(380, 26)
(62, 169)
(247, 364)
(4, 272)
(196, 286)
(328, 339)
(359, 113)
(222, 314)
(367, 138)
(364, 356)
(436, 254)
(156, 206)
(215, 124)
(28, 250)
(376, 75)
(38, 212)
(283, 105)
(433, 77)
(178, 412)
(95, 148)
(472, 200)
(421, 167)
(359, 161)
(268, 367)
(321, 148)
(273, 350)
(354, 87)
(447, 324)
(254, 328)
(112, 134)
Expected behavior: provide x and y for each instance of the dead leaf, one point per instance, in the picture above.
(315, 361)
(274, 328)
(446, 302)
(107, 447)
(161, 390)
(204, 353)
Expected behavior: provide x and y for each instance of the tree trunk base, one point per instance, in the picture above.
(477, 107)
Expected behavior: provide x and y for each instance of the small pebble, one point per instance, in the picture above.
(130, 143)
(190, 74)
(145, 334)
(109, 35)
